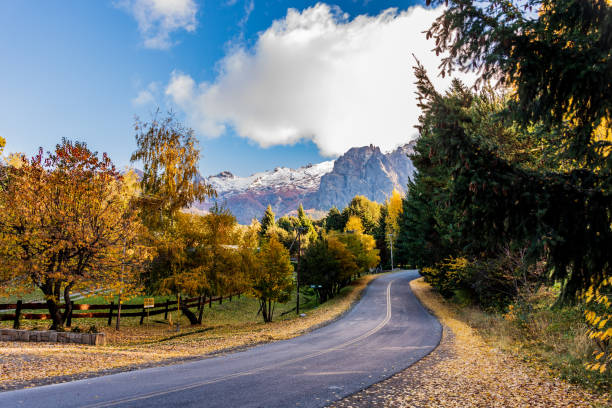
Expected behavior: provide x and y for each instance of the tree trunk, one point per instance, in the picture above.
(193, 319)
(51, 290)
(264, 310)
(56, 315)
(68, 303)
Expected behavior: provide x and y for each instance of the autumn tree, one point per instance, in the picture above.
(68, 222)
(287, 223)
(363, 248)
(222, 264)
(271, 277)
(198, 257)
(354, 225)
(170, 182)
(394, 209)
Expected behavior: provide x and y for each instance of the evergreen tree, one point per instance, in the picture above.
(305, 222)
(380, 237)
(334, 221)
(267, 221)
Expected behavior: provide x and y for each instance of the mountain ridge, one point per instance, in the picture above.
(362, 170)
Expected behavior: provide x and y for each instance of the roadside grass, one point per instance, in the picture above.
(548, 338)
(226, 327)
(551, 338)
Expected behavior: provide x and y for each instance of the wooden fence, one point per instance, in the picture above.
(85, 311)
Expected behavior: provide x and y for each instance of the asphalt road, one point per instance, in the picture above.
(387, 331)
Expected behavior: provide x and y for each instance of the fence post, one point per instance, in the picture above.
(220, 299)
(110, 312)
(166, 312)
(230, 298)
(69, 318)
(199, 302)
(143, 314)
(17, 315)
(210, 301)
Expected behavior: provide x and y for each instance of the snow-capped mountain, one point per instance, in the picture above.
(361, 170)
(307, 178)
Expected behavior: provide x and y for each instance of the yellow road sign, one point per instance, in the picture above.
(149, 302)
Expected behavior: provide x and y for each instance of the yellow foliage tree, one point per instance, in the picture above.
(169, 153)
(354, 224)
(394, 209)
(598, 315)
(67, 222)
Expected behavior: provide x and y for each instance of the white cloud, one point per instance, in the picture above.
(317, 75)
(147, 96)
(158, 18)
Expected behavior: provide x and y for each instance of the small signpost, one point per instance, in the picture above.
(148, 303)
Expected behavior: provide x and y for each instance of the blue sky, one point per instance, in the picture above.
(83, 70)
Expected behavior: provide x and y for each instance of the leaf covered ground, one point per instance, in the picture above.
(464, 371)
(228, 327)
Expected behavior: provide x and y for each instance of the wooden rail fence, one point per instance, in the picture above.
(85, 311)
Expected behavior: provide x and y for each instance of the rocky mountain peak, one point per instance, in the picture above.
(362, 170)
(225, 175)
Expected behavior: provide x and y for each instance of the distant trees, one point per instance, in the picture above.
(334, 220)
(267, 221)
(68, 221)
(367, 211)
(328, 264)
(334, 259)
(354, 224)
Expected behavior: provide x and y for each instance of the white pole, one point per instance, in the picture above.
(391, 243)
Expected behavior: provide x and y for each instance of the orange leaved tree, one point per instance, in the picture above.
(67, 223)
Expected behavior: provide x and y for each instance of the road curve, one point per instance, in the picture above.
(387, 331)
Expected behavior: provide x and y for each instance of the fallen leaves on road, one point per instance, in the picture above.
(30, 364)
(465, 372)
